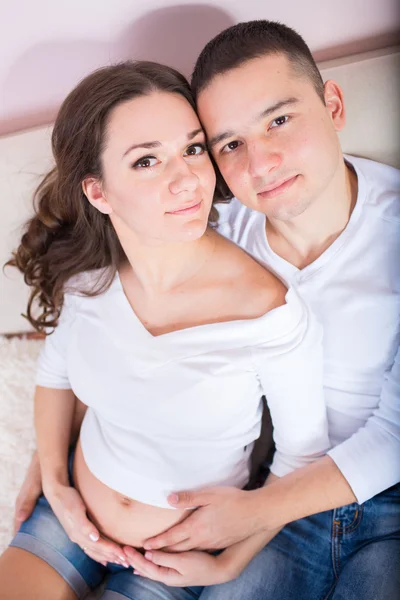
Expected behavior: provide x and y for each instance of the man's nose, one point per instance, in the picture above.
(262, 158)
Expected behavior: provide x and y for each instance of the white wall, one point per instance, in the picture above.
(47, 46)
(372, 98)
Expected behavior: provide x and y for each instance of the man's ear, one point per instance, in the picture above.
(335, 104)
(93, 190)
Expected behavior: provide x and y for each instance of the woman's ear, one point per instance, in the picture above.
(335, 104)
(93, 190)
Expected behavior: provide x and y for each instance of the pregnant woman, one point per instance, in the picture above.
(166, 331)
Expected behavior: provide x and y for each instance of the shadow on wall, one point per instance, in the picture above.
(173, 36)
(358, 46)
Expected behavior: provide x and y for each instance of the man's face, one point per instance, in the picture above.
(271, 135)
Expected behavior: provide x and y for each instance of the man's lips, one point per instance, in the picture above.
(186, 211)
(277, 189)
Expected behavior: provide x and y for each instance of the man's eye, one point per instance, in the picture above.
(279, 121)
(195, 150)
(145, 162)
(230, 147)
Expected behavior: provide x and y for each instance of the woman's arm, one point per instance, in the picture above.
(54, 413)
(54, 420)
(31, 487)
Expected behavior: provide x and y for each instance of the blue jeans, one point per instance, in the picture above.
(43, 535)
(351, 553)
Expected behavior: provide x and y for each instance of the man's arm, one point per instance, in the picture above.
(312, 489)
(200, 568)
(369, 459)
(369, 464)
(227, 515)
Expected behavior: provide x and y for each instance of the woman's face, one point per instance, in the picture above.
(158, 180)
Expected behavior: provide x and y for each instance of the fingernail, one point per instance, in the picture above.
(94, 537)
(173, 498)
(122, 558)
(148, 555)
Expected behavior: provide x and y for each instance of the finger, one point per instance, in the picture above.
(165, 559)
(143, 565)
(135, 558)
(96, 557)
(76, 518)
(107, 551)
(86, 527)
(24, 507)
(189, 499)
(19, 518)
(113, 550)
(173, 536)
(184, 546)
(148, 569)
(107, 557)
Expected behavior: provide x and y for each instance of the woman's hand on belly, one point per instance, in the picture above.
(70, 510)
(117, 517)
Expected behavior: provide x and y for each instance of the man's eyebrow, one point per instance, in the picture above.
(157, 144)
(220, 137)
(271, 109)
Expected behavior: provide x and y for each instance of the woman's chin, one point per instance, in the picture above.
(190, 231)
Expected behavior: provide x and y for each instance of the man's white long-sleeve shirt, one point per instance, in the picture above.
(354, 289)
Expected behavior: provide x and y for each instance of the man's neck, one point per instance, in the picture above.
(303, 239)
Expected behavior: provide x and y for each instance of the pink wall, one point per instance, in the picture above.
(46, 47)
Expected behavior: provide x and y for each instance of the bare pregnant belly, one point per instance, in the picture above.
(121, 519)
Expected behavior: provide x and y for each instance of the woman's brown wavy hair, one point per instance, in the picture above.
(67, 235)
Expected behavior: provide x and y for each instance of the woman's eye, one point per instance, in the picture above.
(195, 150)
(145, 162)
(279, 121)
(230, 147)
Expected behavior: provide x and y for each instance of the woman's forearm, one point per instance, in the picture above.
(54, 412)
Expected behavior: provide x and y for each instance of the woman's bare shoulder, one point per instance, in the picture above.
(257, 288)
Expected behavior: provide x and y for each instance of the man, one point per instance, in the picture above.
(330, 227)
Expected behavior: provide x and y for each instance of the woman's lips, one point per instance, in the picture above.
(190, 210)
(279, 189)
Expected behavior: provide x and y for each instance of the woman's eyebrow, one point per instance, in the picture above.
(157, 144)
(195, 132)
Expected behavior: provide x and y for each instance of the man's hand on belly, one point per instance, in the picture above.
(180, 569)
(224, 516)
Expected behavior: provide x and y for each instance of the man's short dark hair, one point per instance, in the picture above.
(255, 39)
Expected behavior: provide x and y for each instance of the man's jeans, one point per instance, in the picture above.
(351, 553)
